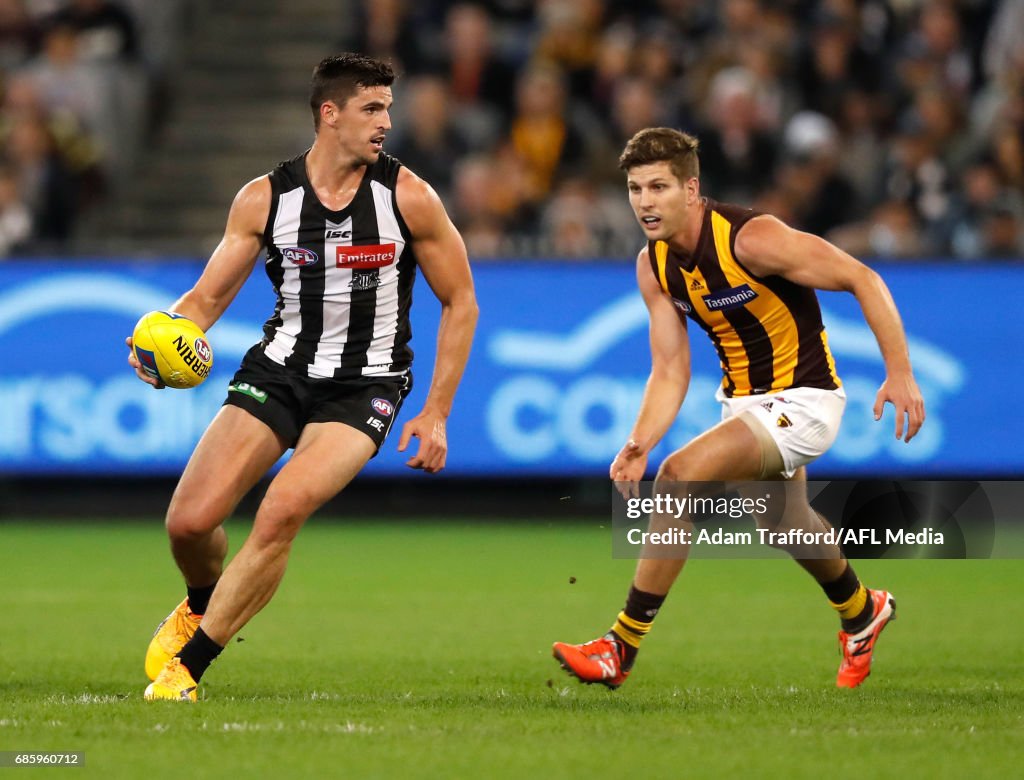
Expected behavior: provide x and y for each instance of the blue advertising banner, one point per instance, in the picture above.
(555, 380)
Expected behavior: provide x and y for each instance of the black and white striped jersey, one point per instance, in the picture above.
(343, 279)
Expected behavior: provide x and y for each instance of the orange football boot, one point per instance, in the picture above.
(596, 661)
(858, 648)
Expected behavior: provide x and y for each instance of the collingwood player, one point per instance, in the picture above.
(344, 227)
(747, 280)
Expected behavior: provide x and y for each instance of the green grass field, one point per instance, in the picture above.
(422, 649)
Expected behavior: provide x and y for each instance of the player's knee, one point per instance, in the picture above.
(280, 516)
(675, 468)
(191, 519)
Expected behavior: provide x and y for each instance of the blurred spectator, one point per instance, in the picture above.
(613, 62)
(15, 219)
(19, 34)
(934, 52)
(71, 140)
(387, 29)
(543, 132)
(1002, 230)
(1008, 151)
(821, 196)
(490, 202)
(106, 31)
(916, 175)
(833, 63)
(778, 202)
(45, 181)
(581, 222)
(636, 105)
(737, 26)
(892, 231)
(107, 41)
(862, 150)
(658, 61)
(981, 200)
(569, 35)
(736, 156)
(942, 121)
(571, 224)
(1004, 48)
(482, 84)
(776, 99)
(430, 138)
(66, 83)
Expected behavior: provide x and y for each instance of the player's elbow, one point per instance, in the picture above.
(463, 303)
(863, 281)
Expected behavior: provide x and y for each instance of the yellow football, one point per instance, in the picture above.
(172, 348)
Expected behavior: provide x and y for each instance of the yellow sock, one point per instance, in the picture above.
(854, 605)
(630, 631)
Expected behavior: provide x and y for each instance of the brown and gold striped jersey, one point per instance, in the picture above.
(767, 330)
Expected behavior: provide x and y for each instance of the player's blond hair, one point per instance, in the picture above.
(663, 144)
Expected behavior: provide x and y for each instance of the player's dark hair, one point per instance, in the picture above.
(663, 144)
(337, 78)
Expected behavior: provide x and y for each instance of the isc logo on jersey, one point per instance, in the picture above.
(172, 348)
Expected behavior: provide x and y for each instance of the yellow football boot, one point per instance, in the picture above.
(174, 683)
(170, 636)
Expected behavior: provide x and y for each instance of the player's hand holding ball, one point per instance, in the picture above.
(169, 349)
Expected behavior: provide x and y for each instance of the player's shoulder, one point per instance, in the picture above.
(386, 169)
(251, 205)
(290, 173)
(417, 201)
(645, 275)
(758, 233)
(255, 192)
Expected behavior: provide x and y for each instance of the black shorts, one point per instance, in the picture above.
(287, 401)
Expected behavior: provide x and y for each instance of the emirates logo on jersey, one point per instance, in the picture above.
(368, 256)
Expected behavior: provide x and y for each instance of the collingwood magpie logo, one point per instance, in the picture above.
(364, 281)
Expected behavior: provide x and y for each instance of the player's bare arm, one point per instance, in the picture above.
(442, 257)
(228, 267)
(767, 246)
(666, 386)
(233, 259)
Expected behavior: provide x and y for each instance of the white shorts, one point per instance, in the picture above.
(802, 421)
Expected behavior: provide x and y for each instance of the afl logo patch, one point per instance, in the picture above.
(382, 406)
(296, 255)
(203, 350)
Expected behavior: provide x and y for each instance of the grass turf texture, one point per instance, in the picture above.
(423, 650)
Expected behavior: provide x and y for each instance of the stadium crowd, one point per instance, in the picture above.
(78, 80)
(893, 127)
